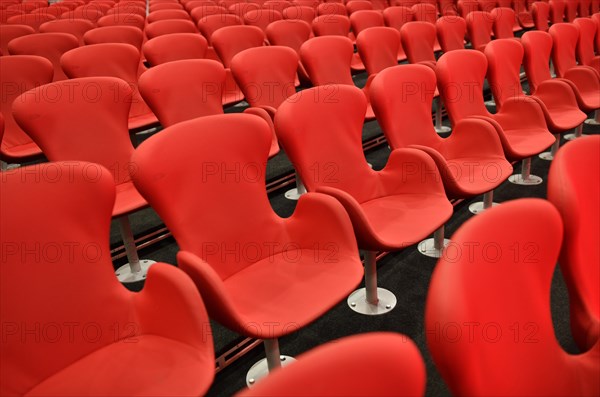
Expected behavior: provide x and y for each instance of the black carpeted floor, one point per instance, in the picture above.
(406, 273)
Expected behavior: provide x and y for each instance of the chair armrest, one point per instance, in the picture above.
(320, 221)
(556, 93)
(213, 291)
(170, 306)
(520, 113)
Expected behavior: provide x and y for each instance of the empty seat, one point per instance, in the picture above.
(522, 14)
(596, 19)
(252, 291)
(167, 14)
(365, 19)
(571, 10)
(19, 74)
(88, 12)
(240, 9)
(115, 34)
(451, 31)
(167, 26)
(290, 33)
(331, 25)
(33, 20)
(122, 19)
(570, 190)
(465, 7)
(396, 17)
(277, 5)
(424, 12)
(161, 329)
(358, 5)
(585, 44)
(470, 318)
(87, 121)
(503, 22)
(378, 48)
(557, 11)
(76, 27)
(49, 45)
(332, 8)
(479, 28)
(174, 47)
(540, 11)
(165, 6)
(111, 60)
(447, 8)
(306, 14)
(262, 17)
(583, 8)
(9, 32)
(211, 23)
(323, 139)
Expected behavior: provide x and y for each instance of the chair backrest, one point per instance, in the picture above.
(540, 11)
(479, 28)
(332, 9)
(115, 34)
(302, 13)
(327, 60)
(167, 14)
(19, 74)
(86, 120)
(571, 10)
(240, 9)
(538, 48)
(358, 5)
(503, 22)
(564, 45)
(488, 308)
(331, 25)
(596, 19)
(200, 12)
(460, 76)
(396, 17)
(321, 130)
(266, 75)
(174, 47)
(167, 26)
(33, 20)
(277, 5)
(48, 45)
(402, 97)
(465, 7)
(122, 19)
(365, 19)
(107, 59)
(65, 255)
(576, 198)
(557, 10)
(182, 90)
(154, 7)
(209, 24)
(196, 161)
(289, 33)
(378, 48)
(425, 12)
(88, 12)
(447, 8)
(451, 31)
(261, 17)
(583, 10)
(504, 64)
(231, 40)
(585, 44)
(9, 32)
(418, 39)
(76, 27)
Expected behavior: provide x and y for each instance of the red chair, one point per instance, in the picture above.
(6, 14)
(19, 74)
(392, 367)
(522, 14)
(479, 28)
(9, 32)
(240, 9)
(585, 78)
(85, 348)
(199, 13)
(76, 27)
(358, 5)
(167, 14)
(486, 340)
(211, 23)
(276, 5)
(362, 20)
(465, 7)
(570, 190)
(571, 10)
(164, 6)
(323, 139)
(596, 19)
(471, 161)
(557, 11)
(585, 44)
(174, 47)
(583, 9)
(503, 22)
(262, 17)
(540, 11)
(327, 60)
(556, 98)
(487, 5)
(331, 25)
(115, 34)
(228, 42)
(122, 19)
(451, 32)
(292, 34)
(396, 17)
(168, 26)
(378, 48)
(280, 264)
(595, 6)
(90, 124)
(48, 45)
(447, 8)
(332, 9)
(111, 60)
(88, 12)
(520, 124)
(190, 5)
(32, 20)
(306, 14)
(424, 12)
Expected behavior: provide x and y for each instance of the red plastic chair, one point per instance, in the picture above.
(88, 12)
(471, 161)
(290, 33)
(327, 60)
(6, 14)
(209, 24)
(111, 60)
(365, 19)
(520, 124)
(240, 9)
(84, 349)
(583, 8)
(570, 190)
(571, 10)
(392, 363)
(585, 78)
(167, 14)
(585, 44)
(89, 124)
(557, 11)
(262, 17)
(523, 14)
(396, 17)
(447, 8)
(276, 5)
(48, 45)
(174, 47)
(228, 42)
(479, 28)
(122, 19)
(9, 32)
(281, 279)
(76, 27)
(451, 32)
(332, 9)
(465, 7)
(540, 11)
(18, 74)
(306, 14)
(503, 22)
(32, 20)
(190, 5)
(168, 26)
(199, 13)
(321, 130)
(331, 25)
(358, 5)
(424, 12)
(378, 48)
(556, 98)
(487, 316)
(115, 34)
(165, 6)
(487, 5)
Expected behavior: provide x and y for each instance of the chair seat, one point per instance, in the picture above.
(128, 199)
(283, 292)
(146, 364)
(563, 118)
(413, 215)
(474, 176)
(526, 142)
(21, 152)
